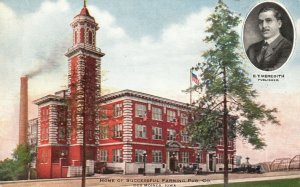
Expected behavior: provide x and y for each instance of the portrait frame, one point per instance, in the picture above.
(251, 32)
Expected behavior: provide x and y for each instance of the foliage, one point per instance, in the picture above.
(222, 75)
(7, 170)
(18, 167)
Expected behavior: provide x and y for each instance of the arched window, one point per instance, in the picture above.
(82, 35)
(90, 37)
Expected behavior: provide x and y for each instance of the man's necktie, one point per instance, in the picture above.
(262, 52)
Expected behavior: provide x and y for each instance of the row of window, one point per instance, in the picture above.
(139, 156)
(157, 113)
(141, 132)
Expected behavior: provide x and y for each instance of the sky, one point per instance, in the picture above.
(149, 46)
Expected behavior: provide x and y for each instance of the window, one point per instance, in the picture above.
(157, 156)
(34, 128)
(156, 133)
(220, 159)
(140, 131)
(103, 132)
(44, 133)
(185, 157)
(117, 155)
(90, 37)
(171, 116)
(117, 132)
(117, 110)
(139, 157)
(44, 157)
(61, 132)
(184, 137)
(82, 35)
(103, 155)
(183, 119)
(199, 157)
(44, 114)
(157, 113)
(104, 113)
(140, 110)
(171, 134)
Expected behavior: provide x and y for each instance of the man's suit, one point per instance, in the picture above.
(275, 55)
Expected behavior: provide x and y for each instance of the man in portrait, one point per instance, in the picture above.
(273, 51)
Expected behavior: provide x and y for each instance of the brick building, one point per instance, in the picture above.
(121, 128)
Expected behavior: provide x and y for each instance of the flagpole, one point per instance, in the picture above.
(191, 86)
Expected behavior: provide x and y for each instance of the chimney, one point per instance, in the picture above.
(23, 118)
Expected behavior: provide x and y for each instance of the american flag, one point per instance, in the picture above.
(195, 78)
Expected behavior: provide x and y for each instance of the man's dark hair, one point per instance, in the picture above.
(277, 14)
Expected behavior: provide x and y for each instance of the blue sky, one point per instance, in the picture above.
(150, 45)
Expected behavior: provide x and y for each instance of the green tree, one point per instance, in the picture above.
(226, 104)
(23, 156)
(8, 170)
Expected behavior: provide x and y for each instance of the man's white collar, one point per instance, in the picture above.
(270, 40)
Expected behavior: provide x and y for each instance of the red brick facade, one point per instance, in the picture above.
(119, 127)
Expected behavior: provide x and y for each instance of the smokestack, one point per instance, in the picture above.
(23, 118)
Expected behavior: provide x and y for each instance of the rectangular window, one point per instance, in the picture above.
(104, 113)
(171, 116)
(185, 157)
(183, 119)
(117, 132)
(140, 131)
(117, 110)
(157, 156)
(34, 129)
(199, 157)
(103, 155)
(44, 133)
(103, 132)
(184, 137)
(156, 113)
(156, 133)
(139, 155)
(140, 110)
(117, 154)
(171, 134)
(220, 158)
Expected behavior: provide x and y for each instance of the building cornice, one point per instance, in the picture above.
(48, 98)
(148, 97)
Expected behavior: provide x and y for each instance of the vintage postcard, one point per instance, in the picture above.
(149, 93)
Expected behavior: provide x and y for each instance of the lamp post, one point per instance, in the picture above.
(247, 162)
(144, 159)
(61, 162)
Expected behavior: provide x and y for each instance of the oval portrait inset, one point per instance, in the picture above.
(268, 36)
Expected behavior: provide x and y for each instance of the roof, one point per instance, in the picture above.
(48, 98)
(85, 12)
(145, 96)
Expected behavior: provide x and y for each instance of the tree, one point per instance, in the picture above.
(23, 156)
(7, 170)
(226, 103)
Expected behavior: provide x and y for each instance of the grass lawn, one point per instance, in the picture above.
(272, 183)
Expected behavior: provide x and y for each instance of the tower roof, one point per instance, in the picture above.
(84, 11)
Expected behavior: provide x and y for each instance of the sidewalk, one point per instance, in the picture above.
(115, 180)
